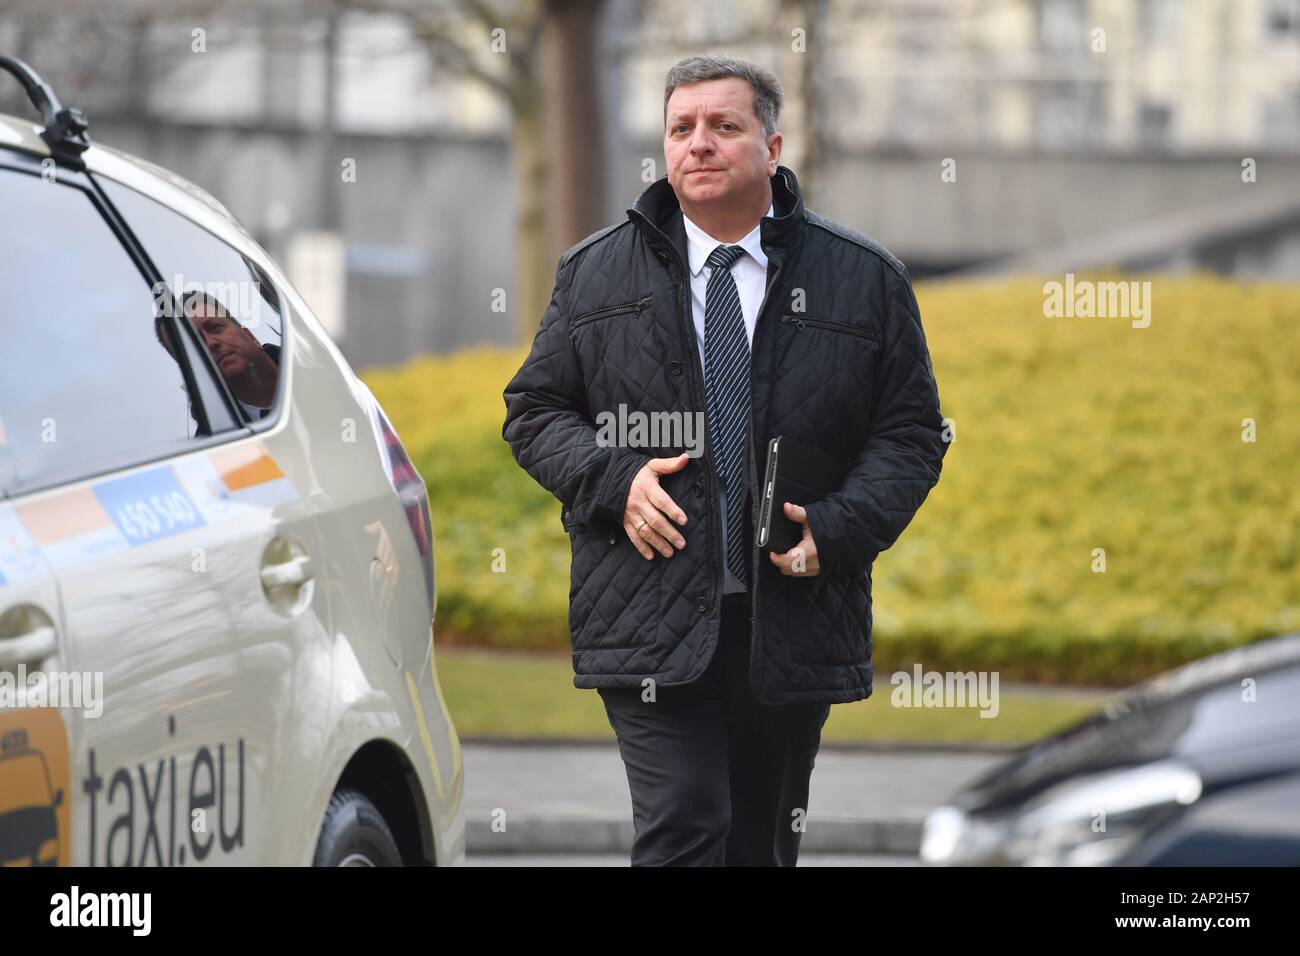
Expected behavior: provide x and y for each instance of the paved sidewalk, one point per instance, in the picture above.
(573, 798)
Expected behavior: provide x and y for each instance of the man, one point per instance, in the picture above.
(251, 370)
(722, 293)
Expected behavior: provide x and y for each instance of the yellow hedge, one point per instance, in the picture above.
(1072, 434)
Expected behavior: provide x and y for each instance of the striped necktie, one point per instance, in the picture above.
(726, 357)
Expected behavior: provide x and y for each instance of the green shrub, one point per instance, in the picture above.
(1071, 434)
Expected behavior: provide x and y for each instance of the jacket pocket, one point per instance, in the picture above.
(571, 526)
(801, 321)
(612, 310)
(601, 615)
(831, 621)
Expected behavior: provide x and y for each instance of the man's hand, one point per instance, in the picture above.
(648, 508)
(801, 560)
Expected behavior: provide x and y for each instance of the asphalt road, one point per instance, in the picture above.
(545, 801)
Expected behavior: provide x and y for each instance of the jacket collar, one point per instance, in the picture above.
(659, 216)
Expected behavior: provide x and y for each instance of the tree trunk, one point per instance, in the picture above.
(535, 274)
(575, 131)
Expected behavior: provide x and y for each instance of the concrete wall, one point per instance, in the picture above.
(427, 222)
(429, 219)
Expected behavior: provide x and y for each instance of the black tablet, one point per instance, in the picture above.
(799, 474)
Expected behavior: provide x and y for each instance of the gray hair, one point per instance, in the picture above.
(768, 95)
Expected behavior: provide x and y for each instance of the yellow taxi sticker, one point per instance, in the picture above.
(35, 799)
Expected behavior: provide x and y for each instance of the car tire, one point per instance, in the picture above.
(354, 834)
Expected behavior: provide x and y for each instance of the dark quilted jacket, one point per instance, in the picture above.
(839, 362)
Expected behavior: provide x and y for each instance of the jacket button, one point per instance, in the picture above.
(699, 486)
(701, 605)
(675, 368)
(611, 540)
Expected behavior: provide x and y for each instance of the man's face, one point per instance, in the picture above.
(714, 144)
(231, 345)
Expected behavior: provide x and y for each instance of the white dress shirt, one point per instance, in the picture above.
(254, 412)
(750, 274)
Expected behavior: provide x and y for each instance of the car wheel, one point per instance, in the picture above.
(354, 834)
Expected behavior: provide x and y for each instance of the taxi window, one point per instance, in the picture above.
(86, 384)
(230, 301)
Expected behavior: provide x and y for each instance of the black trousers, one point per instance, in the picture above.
(716, 778)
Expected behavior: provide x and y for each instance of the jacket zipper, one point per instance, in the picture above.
(802, 321)
(695, 372)
(751, 468)
(611, 310)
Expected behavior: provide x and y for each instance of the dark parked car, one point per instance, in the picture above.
(1196, 767)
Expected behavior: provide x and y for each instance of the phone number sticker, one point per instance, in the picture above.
(149, 506)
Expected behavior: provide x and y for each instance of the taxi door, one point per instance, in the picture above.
(182, 551)
(203, 617)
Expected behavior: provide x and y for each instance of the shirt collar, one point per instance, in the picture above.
(700, 245)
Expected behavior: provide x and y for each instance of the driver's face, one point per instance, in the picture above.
(232, 346)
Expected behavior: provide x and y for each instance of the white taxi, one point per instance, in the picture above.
(216, 560)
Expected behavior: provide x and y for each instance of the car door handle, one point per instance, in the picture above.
(29, 647)
(295, 572)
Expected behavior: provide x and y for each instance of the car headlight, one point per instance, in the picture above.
(1091, 821)
(954, 838)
